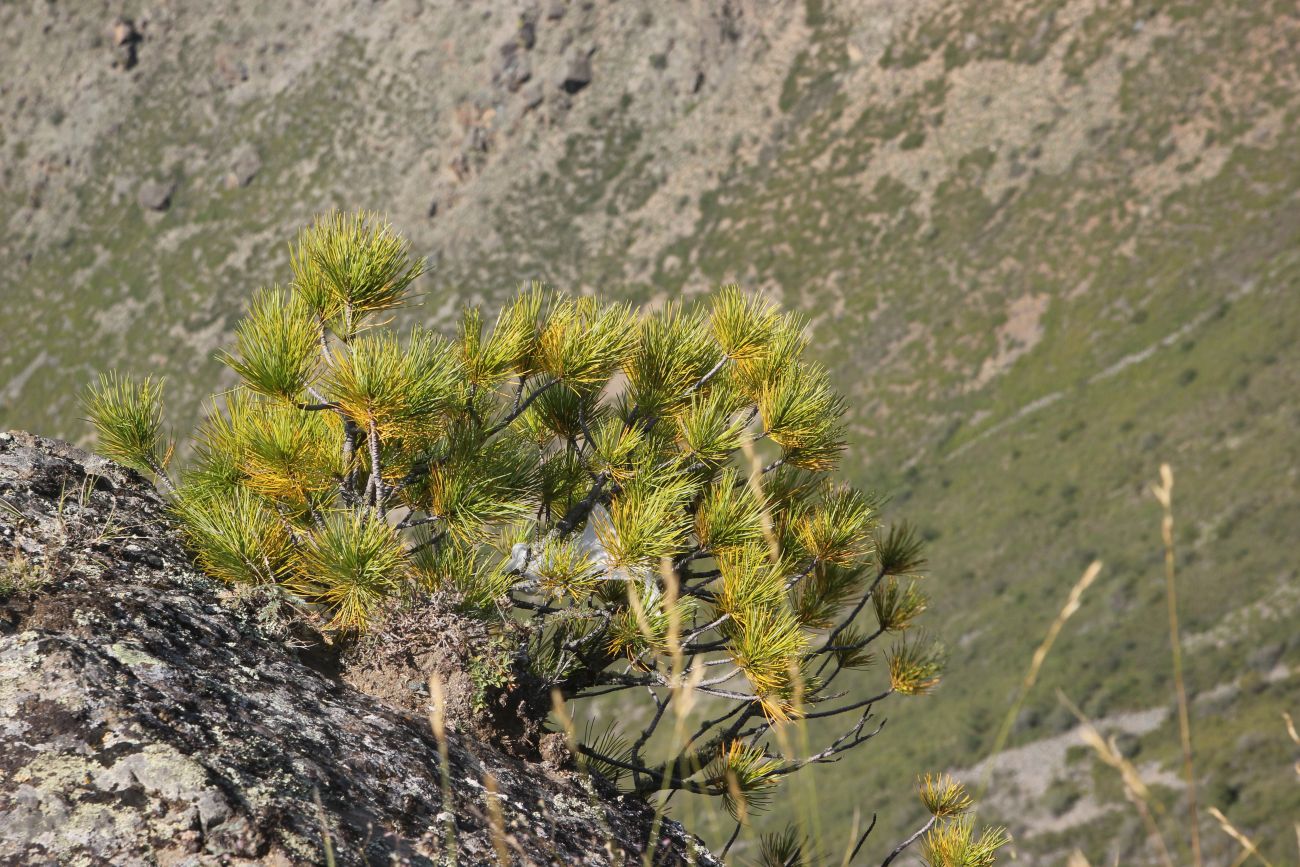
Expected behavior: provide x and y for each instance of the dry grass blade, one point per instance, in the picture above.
(1072, 603)
(560, 708)
(13, 510)
(1247, 845)
(1137, 792)
(755, 482)
(438, 722)
(1164, 493)
(1295, 737)
(496, 819)
(326, 841)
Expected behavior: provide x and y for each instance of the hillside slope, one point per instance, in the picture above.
(1043, 245)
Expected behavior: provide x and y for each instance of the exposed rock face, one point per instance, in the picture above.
(145, 720)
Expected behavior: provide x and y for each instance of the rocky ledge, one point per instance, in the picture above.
(144, 719)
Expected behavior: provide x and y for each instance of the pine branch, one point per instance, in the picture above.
(161, 475)
(909, 841)
(376, 471)
(520, 408)
(582, 509)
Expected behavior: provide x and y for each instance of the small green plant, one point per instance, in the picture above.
(490, 669)
(19, 575)
(647, 499)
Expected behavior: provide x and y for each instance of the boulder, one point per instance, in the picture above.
(150, 717)
(156, 195)
(125, 41)
(578, 74)
(245, 163)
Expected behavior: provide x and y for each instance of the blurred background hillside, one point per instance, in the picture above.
(1044, 245)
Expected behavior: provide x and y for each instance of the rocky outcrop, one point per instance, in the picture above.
(145, 719)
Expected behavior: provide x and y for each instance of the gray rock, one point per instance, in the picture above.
(123, 32)
(514, 68)
(528, 31)
(156, 195)
(578, 75)
(532, 96)
(245, 163)
(125, 40)
(147, 719)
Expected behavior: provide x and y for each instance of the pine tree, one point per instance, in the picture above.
(650, 495)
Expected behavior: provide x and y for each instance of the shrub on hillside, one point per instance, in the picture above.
(634, 501)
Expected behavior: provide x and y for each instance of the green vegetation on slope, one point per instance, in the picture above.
(1044, 247)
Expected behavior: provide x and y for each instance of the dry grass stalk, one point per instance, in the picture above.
(1295, 738)
(496, 820)
(1134, 789)
(561, 710)
(755, 482)
(438, 722)
(1247, 845)
(1072, 603)
(327, 843)
(1164, 494)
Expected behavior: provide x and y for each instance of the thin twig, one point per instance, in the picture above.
(898, 850)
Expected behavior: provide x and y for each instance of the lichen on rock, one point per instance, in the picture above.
(146, 718)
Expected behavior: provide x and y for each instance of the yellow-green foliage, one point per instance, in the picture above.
(648, 491)
(128, 416)
(955, 844)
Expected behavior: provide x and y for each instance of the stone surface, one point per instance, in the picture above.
(156, 195)
(144, 719)
(245, 163)
(578, 74)
(125, 40)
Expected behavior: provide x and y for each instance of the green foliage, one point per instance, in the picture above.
(586, 477)
(897, 606)
(399, 389)
(351, 563)
(802, 415)
(609, 742)
(235, 535)
(18, 575)
(128, 417)
(277, 345)
(914, 666)
(744, 776)
(944, 797)
(729, 515)
(491, 670)
(782, 849)
(347, 267)
(648, 622)
(954, 844)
